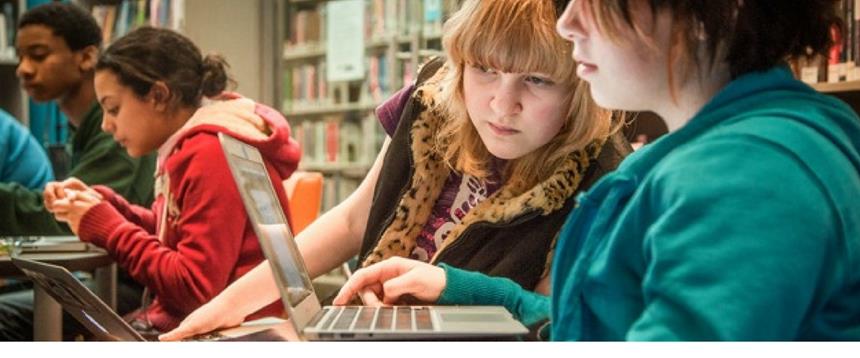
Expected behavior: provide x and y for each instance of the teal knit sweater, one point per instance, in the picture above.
(742, 225)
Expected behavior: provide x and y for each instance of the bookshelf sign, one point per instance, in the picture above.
(345, 40)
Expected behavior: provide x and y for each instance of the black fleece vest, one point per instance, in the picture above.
(517, 249)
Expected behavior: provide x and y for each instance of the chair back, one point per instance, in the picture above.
(304, 195)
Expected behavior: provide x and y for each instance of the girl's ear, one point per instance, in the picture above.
(159, 94)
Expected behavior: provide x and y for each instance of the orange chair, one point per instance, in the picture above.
(304, 195)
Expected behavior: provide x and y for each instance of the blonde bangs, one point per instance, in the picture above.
(529, 44)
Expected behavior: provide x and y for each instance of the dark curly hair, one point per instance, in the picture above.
(71, 22)
(756, 34)
(147, 55)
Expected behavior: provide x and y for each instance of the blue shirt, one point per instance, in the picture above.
(22, 159)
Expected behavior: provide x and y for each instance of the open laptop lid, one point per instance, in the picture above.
(267, 217)
(78, 301)
(292, 277)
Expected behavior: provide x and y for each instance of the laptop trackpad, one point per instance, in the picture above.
(490, 320)
(266, 335)
(469, 317)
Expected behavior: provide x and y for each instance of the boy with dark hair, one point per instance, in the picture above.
(70, 22)
(58, 46)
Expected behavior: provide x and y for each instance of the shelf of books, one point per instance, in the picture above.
(336, 73)
(10, 10)
(838, 87)
(118, 17)
(838, 72)
(12, 98)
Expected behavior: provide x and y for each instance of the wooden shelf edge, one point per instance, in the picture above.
(347, 169)
(7, 61)
(319, 49)
(333, 109)
(852, 86)
(301, 53)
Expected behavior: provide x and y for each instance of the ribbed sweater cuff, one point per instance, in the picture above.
(99, 223)
(473, 288)
(106, 192)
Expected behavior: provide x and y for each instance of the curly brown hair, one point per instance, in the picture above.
(148, 55)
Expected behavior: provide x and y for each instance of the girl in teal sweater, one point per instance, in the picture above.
(743, 224)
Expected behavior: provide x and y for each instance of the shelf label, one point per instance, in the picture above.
(345, 40)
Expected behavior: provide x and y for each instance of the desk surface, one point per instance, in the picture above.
(72, 261)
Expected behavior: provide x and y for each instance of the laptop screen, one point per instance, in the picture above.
(272, 228)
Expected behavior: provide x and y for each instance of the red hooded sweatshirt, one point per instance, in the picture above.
(197, 238)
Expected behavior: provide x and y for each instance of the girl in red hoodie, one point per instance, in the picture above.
(157, 92)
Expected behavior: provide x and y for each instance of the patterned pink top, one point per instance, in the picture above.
(460, 194)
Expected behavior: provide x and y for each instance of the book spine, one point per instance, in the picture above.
(332, 140)
(4, 39)
(855, 33)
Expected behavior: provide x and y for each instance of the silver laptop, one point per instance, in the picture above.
(79, 301)
(313, 321)
(107, 325)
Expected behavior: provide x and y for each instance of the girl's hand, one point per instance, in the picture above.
(72, 208)
(61, 190)
(207, 318)
(392, 279)
(53, 192)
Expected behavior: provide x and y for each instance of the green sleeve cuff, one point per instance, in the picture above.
(470, 288)
(473, 288)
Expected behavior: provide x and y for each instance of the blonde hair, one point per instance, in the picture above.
(515, 36)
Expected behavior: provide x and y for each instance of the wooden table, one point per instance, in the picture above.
(48, 314)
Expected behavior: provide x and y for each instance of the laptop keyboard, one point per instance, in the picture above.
(355, 318)
(205, 337)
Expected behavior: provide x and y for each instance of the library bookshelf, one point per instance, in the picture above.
(838, 74)
(12, 97)
(115, 17)
(332, 116)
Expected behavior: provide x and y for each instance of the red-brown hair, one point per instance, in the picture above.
(749, 35)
